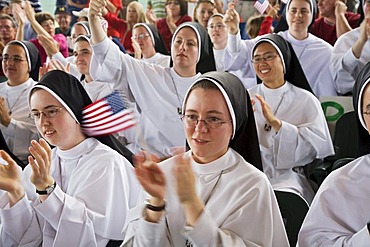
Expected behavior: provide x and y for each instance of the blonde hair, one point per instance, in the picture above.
(140, 15)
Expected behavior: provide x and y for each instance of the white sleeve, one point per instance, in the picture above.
(238, 53)
(296, 145)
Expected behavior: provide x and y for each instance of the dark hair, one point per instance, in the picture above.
(8, 17)
(254, 25)
(183, 7)
(43, 16)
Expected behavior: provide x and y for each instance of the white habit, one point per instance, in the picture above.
(303, 136)
(344, 65)
(241, 211)
(340, 211)
(21, 129)
(158, 93)
(96, 187)
(313, 53)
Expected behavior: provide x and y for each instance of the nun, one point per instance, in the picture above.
(158, 92)
(21, 63)
(76, 194)
(312, 52)
(149, 45)
(339, 214)
(210, 195)
(291, 125)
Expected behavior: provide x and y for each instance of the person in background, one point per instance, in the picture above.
(114, 7)
(339, 214)
(43, 24)
(203, 10)
(209, 195)
(334, 20)
(157, 91)
(8, 29)
(21, 63)
(76, 5)
(81, 15)
(63, 17)
(149, 45)
(289, 137)
(176, 11)
(135, 14)
(350, 54)
(217, 31)
(65, 196)
(313, 53)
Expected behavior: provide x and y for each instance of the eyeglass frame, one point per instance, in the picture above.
(265, 57)
(215, 121)
(14, 59)
(218, 26)
(51, 112)
(140, 36)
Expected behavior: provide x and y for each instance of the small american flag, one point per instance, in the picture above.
(261, 5)
(107, 116)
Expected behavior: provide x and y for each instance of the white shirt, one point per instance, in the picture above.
(340, 210)
(313, 53)
(95, 188)
(303, 136)
(159, 59)
(158, 93)
(71, 60)
(96, 89)
(241, 210)
(21, 129)
(344, 66)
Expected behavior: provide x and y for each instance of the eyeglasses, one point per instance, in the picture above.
(172, 2)
(140, 36)
(49, 113)
(14, 59)
(265, 57)
(6, 27)
(211, 122)
(217, 26)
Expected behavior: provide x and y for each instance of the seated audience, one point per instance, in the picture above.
(76, 194)
(149, 45)
(21, 63)
(313, 53)
(291, 125)
(339, 214)
(350, 54)
(209, 195)
(334, 20)
(157, 91)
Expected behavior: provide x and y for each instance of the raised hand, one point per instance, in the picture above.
(150, 175)
(10, 178)
(232, 19)
(4, 113)
(271, 119)
(186, 189)
(137, 48)
(40, 164)
(96, 8)
(50, 45)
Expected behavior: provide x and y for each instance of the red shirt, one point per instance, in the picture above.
(63, 46)
(121, 26)
(328, 32)
(165, 31)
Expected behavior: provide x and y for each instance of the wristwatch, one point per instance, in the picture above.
(48, 190)
(154, 208)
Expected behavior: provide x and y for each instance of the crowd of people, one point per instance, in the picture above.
(224, 119)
